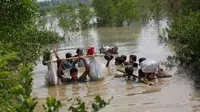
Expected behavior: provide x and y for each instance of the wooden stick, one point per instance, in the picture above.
(76, 48)
(86, 56)
(136, 77)
(66, 49)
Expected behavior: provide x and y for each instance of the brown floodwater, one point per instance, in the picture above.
(175, 94)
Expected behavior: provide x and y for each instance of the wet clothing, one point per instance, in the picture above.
(141, 74)
(70, 80)
(132, 64)
(80, 62)
(118, 61)
(66, 65)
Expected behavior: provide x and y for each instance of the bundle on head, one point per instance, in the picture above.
(141, 59)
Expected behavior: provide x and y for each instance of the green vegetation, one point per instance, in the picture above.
(184, 32)
(52, 105)
(125, 12)
(46, 4)
(80, 106)
(22, 37)
(21, 43)
(67, 17)
(84, 16)
(70, 19)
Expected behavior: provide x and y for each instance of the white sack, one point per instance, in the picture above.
(51, 76)
(96, 69)
(149, 66)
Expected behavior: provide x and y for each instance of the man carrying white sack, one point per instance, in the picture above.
(149, 69)
(93, 70)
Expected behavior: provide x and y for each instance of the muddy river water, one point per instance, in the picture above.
(175, 94)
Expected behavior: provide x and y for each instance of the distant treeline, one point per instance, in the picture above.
(47, 3)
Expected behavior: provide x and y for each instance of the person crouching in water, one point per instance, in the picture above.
(150, 76)
(145, 76)
(130, 76)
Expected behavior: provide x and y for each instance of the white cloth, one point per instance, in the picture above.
(149, 66)
(96, 70)
(51, 76)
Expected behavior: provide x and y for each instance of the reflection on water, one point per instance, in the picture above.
(168, 95)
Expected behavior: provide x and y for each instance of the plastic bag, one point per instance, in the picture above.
(149, 66)
(51, 76)
(96, 70)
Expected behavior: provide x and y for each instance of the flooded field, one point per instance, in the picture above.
(175, 94)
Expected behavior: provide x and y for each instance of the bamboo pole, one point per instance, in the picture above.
(146, 82)
(86, 56)
(66, 49)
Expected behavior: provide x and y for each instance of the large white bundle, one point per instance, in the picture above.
(149, 66)
(96, 69)
(51, 76)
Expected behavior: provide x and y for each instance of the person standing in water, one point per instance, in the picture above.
(74, 73)
(79, 52)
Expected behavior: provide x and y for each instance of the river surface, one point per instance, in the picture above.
(175, 94)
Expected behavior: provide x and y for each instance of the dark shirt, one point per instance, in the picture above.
(118, 61)
(80, 62)
(141, 74)
(70, 80)
(132, 64)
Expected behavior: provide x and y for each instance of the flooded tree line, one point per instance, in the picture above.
(23, 36)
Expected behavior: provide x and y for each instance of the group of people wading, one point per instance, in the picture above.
(79, 60)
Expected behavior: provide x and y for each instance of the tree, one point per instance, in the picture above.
(67, 17)
(127, 11)
(105, 12)
(84, 16)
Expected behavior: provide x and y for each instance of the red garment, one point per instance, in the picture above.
(90, 51)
